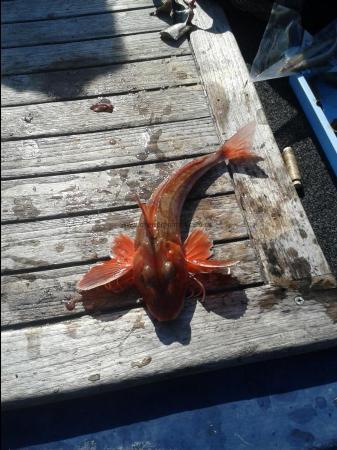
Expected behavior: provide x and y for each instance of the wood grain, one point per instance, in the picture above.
(92, 354)
(142, 108)
(46, 156)
(95, 191)
(44, 257)
(84, 238)
(88, 53)
(21, 10)
(79, 28)
(40, 296)
(276, 219)
(106, 80)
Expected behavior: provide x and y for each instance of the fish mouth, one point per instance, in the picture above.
(162, 319)
(166, 313)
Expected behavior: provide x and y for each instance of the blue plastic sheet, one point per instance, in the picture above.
(275, 405)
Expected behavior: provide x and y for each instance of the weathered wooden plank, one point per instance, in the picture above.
(91, 354)
(61, 154)
(79, 28)
(88, 53)
(96, 191)
(21, 10)
(40, 296)
(277, 222)
(142, 108)
(107, 80)
(85, 238)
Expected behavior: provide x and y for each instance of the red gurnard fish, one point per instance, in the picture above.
(157, 262)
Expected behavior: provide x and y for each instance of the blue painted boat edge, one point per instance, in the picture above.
(316, 118)
(281, 404)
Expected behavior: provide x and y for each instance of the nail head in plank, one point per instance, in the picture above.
(84, 238)
(40, 296)
(71, 117)
(71, 84)
(111, 351)
(276, 219)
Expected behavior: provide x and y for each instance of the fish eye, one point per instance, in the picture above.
(148, 275)
(168, 270)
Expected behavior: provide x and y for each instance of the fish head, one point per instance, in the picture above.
(161, 276)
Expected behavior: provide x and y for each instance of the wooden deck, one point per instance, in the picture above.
(68, 179)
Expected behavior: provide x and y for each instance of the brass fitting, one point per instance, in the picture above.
(292, 167)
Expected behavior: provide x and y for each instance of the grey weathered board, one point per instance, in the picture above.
(90, 82)
(79, 28)
(130, 110)
(92, 354)
(283, 236)
(103, 150)
(95, 52)
(53, 196)
(23, 11)
(69, 176)
(86, 236)
(31, 297)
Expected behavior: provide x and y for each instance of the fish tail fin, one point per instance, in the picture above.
(238, 148)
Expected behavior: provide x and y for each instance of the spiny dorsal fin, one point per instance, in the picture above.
(148, 210)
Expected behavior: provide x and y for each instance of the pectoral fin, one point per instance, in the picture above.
(123, 248)
(197, 249)
(117, 272)
(206, 266)
(103, 273)
(197, 245)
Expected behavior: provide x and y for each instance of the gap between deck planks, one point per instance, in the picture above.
(103, 150)
(99, 52)
(278, 225)
(87, 237)
(254, 323)
(61, 195)
(92, 354)
(98, 81)
(79, 28)
(31, 297)
(21, 10)
(130, 110)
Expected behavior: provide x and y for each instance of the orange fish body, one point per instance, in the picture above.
(157, 262)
